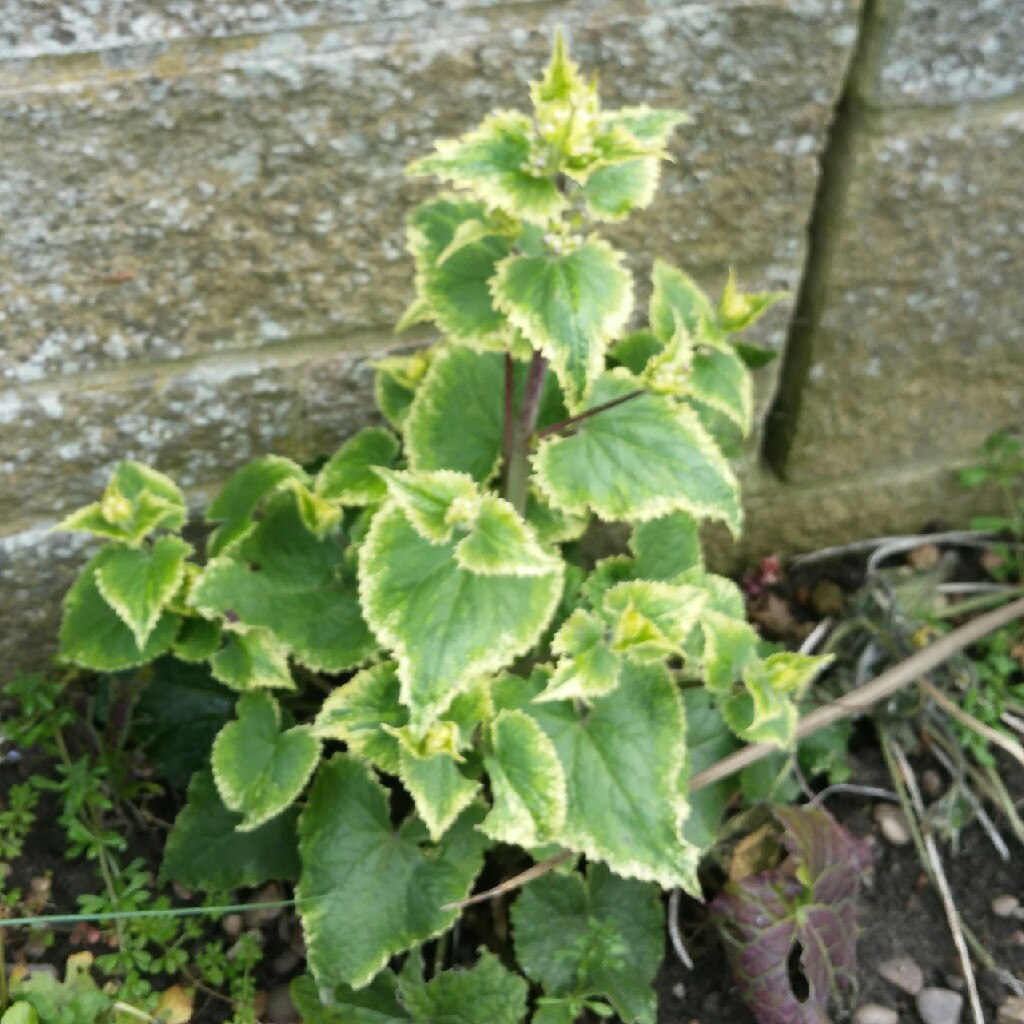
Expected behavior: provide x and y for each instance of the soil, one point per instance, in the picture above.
(900, 914)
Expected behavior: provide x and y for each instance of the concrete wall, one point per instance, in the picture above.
(203, 211)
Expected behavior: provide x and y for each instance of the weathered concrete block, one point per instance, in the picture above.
(196, 424)
(920, 352)
(954, 51)
(31, 28)
(788, 519)
(171, 201)
(36, 569)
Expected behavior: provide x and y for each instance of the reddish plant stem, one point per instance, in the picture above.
(510, 412)
(556, 428)
(518, 465)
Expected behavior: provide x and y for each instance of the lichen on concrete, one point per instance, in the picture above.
(238, 195)
(954, 51)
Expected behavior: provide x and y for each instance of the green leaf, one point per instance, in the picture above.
(456, 421)
(177, 716)
(587, 667)
(252, 659)
(613, 192)
(319, 516)
(20, 1013)
(720, 379)
(730, 646)
(639, 460)
(569, 306)
(138, 583)
(440, 791)
(555, 1011)
(395, 382)
(260, 770)
(552, 525)
(494, 163)
(356, 712)
(562, 81)
(500, 543)
(486, 993)
(723, 595)
(767, 711)
(678, 301)
(647, 123)
(241, 495)
(137, 501)
(303, 590)
(446, 625)
(453, 282)
(622, 761)
(650, 620)
(348, 477)
(708, 741)
(367, 890)
(93, 636)
(754, 356)
(737, 311)
(527, 782)
(377, 1003)
(599, 937)
(197, 640)
(457, 418)
(666, 547)
(635, 351)
(205, 849)
(432, 502)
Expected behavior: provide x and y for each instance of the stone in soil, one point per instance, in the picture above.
(939, 1006)
(280, 1008)
(893, 824)
(874, 1013)
(1005, 906)
(1011, 1012)
(904, 973)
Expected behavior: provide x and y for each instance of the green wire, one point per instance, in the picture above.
(124, 915)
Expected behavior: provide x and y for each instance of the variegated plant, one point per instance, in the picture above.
(429, 572)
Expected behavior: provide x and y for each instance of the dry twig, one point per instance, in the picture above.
(937, 872)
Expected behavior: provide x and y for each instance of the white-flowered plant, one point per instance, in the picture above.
(429, 571)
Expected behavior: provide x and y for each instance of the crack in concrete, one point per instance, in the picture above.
(855, 112)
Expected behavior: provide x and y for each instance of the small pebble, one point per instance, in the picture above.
(931, 783)
(1005, 905)
(939, 1006)
(1011, 1012)
(924, 556)
(231, 925)
(904, 973)
(280, 1008)
(287, 961)
(873, 1013)
(892, 824)
(827, 599)
(258, 916)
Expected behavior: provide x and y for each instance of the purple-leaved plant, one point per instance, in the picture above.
(790, 933)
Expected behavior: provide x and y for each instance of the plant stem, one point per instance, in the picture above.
(517, 464)
(557, 428)
(508, 435)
